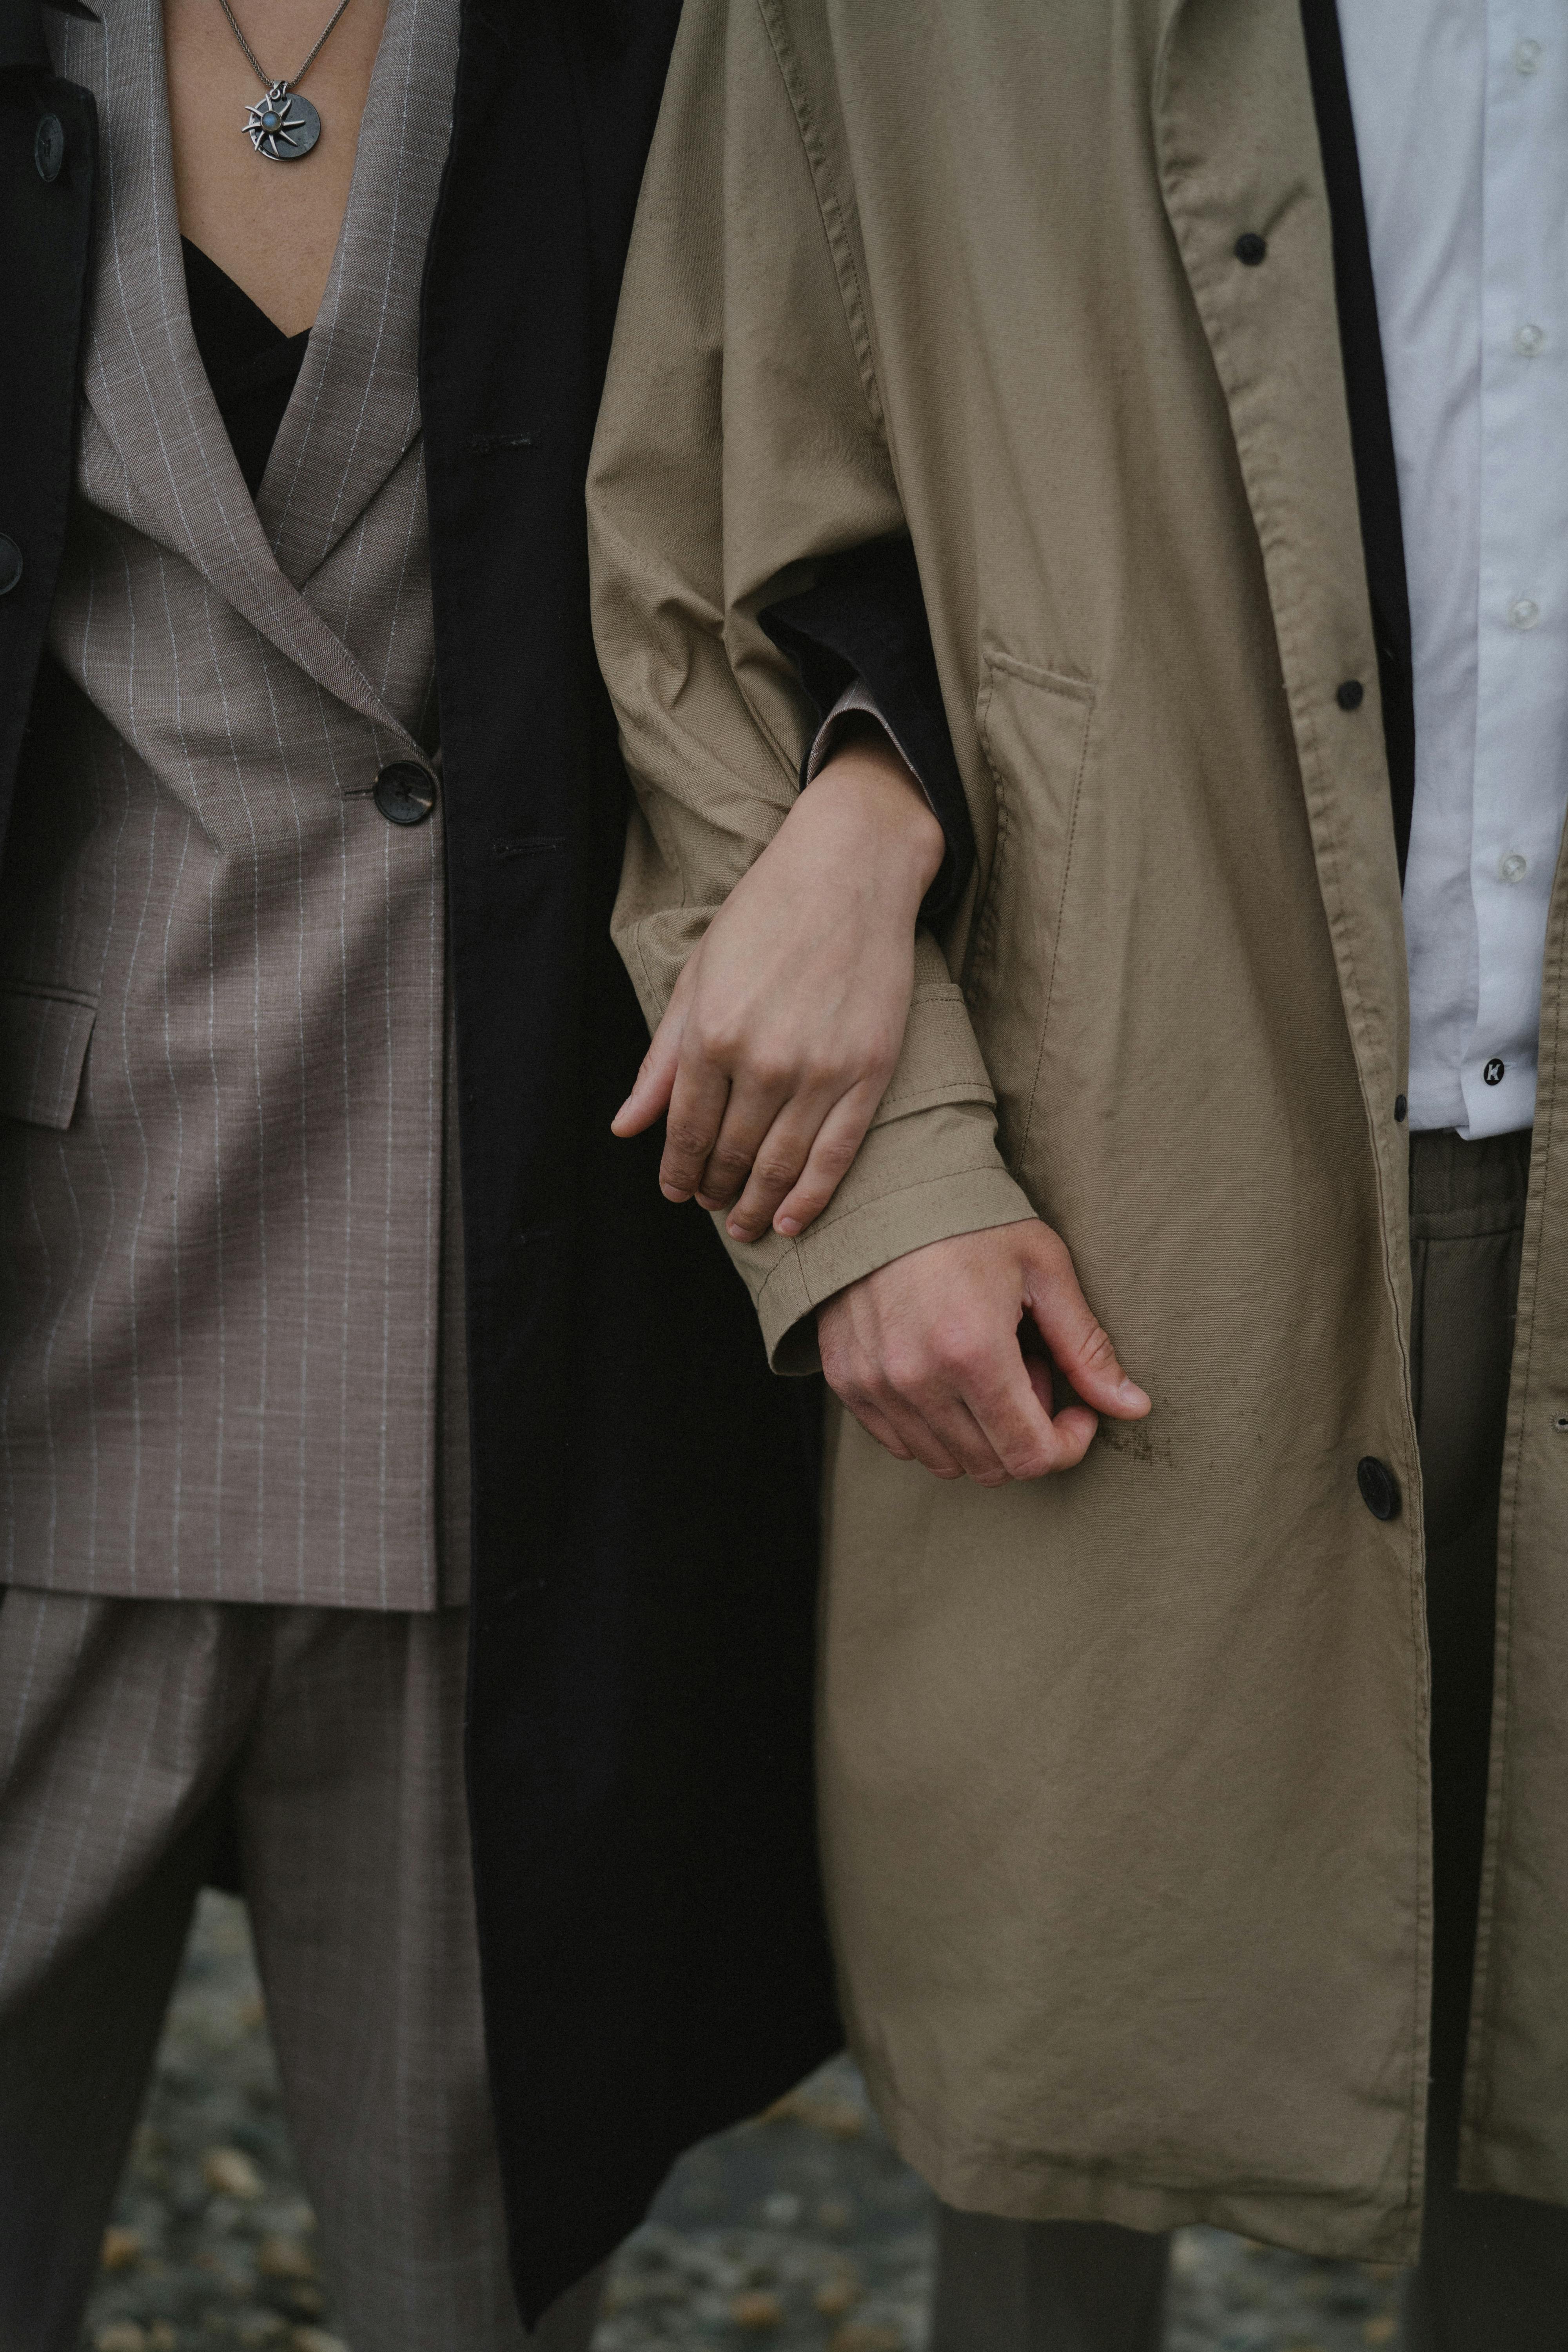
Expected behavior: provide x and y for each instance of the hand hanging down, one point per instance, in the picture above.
(785, 1024)
(927, 1354)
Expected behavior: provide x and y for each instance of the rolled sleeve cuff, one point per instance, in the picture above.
(837, 1251)
(928, 1170)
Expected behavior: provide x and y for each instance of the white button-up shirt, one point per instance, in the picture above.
(1461, 117)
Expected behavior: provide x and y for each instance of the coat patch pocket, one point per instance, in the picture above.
(44, 1034)
(1035, 727)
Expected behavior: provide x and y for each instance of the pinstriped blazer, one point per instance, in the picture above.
(223, 1057)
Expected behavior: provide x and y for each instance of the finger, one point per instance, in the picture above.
(654, 1081)
(781, 1159)
(696, 1113)
(960, 1434)
(1074, 1424)
(877, 1426)
(750, 1116)
(1078, 1343)
(915, 1432)
(895, 1424)
(1010, 1399)
(656, 1078)
(831, 1156)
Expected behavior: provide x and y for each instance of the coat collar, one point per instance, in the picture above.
(354, 411)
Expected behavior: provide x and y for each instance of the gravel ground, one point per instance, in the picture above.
(801, 2232)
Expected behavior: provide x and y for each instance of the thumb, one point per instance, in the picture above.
(1079, 1345)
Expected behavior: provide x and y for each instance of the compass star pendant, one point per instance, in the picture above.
(283, 126)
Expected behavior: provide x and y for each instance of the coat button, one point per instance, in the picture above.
(49, 147)
(10, 565)
(1378, 1490)
(1401, 1110)
(405, 792)
(1352, 695)
(1250, 248)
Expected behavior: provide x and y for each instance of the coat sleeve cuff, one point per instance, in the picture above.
(837, 1251)
(928, 1168)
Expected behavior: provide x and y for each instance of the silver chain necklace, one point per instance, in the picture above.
(282, 126)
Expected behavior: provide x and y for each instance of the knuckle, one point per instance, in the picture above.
(1097, 1352)
(834, 1158)
(774, 1171)
(965, 1355)
(685, 1138)
(713, 1037)
(905, 1370)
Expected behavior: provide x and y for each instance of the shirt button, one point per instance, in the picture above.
(1379, 1490)
(1495, 1072)
(10, 565)
(405, 792)
(1250, 248)
(1523, 612)
(1513, 868)
(1528, 340)
(1527, 57)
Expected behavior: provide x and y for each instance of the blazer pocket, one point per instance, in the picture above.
(1035, 729)
(44, 1034)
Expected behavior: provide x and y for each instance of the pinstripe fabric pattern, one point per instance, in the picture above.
(339, 1733)
(220, 1316)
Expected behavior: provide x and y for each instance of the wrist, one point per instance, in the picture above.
(868, 783)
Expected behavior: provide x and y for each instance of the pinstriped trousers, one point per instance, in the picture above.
(128, 1730)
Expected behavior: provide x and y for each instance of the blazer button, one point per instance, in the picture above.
(1378, 1490)
(49, 147)
(1250, 248)
(10, 565)
(405, 792)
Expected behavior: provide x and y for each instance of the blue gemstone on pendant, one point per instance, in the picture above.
(270, 122)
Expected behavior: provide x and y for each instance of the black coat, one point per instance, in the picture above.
(644, 1527)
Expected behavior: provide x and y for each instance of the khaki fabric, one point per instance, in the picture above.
(1125, 1774)
(224, 1065)
(336, 1736)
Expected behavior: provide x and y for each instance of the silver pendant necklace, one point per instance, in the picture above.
(282, 126)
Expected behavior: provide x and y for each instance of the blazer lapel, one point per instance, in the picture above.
(146, 389)
(356, 407)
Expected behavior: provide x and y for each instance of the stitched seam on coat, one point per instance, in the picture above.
(828, 205)
(1069, 690)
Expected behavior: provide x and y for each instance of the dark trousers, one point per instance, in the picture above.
(1493, 2275)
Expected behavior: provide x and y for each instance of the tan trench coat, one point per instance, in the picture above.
(1124, 1773)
